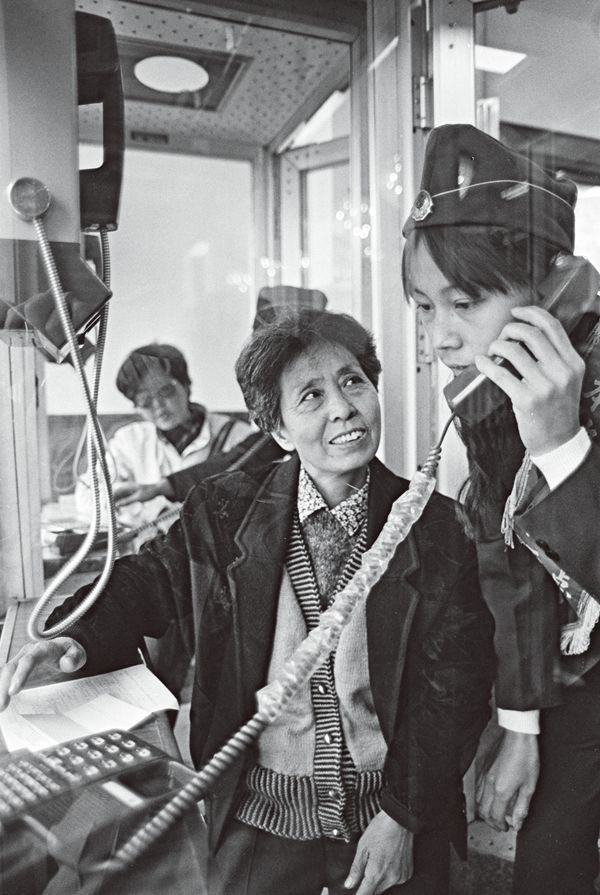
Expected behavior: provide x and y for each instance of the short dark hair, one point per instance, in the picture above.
(477, 259)
(148, 359)
(272, 348)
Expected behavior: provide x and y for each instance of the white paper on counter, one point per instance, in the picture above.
(43, 716)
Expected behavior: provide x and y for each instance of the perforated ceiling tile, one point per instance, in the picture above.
(280, 73)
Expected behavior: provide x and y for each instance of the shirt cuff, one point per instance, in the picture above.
(520, 722)
(559, 464)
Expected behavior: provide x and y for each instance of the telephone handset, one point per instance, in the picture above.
(99, 82)
(571, 293)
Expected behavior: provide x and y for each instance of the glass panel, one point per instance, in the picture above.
(331, 120)
(330, 229)
(181, 272)
(539, 94)
(185, 255)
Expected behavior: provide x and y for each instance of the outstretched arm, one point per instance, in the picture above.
(144, 594)
(61, 654)
(125, 493)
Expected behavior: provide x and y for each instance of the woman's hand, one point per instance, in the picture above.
(504, 791)
(384, 857)
(61, 654)
(546, 400)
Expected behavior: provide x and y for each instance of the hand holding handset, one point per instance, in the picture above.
(570, 292)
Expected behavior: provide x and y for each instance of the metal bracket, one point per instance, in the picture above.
(423, 102)
(511, 6)
(424, 352)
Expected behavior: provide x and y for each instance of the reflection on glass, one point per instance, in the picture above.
(331, 120)
(545, 103)
(331, 224)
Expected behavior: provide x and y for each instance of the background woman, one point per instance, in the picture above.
(174, 432)
(489, 237)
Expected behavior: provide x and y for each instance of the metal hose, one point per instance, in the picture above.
(95, 454)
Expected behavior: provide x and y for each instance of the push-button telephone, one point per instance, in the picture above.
(68, 807)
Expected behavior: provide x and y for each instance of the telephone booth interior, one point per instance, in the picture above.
(292, 161)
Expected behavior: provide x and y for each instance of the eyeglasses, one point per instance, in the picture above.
(145, 401)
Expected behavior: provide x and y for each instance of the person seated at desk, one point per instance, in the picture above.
(258, 449)
(358, 787)
(175, 432)
(253, 455)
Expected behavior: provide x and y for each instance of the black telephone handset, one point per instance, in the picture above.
(571, 293)
(99, 82)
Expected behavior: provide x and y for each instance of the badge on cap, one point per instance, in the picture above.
(422, 207)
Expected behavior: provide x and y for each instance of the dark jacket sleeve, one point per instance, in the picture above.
(523, 600)
(444, 709)
(521, 594)
(143, 595)
(564, 522)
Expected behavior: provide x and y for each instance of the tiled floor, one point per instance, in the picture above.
(489, 868)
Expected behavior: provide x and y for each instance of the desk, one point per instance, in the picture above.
(174, 865)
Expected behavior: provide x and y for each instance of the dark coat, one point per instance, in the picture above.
(218, 572)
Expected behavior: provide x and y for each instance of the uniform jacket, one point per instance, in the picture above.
(218, 572)
(524, 599)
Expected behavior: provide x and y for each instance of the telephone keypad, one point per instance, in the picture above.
(28, 778)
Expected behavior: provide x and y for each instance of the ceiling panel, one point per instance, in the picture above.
(280, 73)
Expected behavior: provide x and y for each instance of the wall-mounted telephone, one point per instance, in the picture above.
(68, 806)
(571, 293)
(28, 302)
(99, 81)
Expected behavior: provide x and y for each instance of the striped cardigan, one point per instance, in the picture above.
(306, 784)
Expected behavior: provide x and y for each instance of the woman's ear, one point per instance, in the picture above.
(282, 440)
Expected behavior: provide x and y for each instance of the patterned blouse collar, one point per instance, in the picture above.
(350, 513)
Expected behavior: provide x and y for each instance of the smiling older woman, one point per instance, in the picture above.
(358, 787)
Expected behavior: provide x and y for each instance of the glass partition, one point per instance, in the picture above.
(330, 227)
(200, 221)
(537, 79)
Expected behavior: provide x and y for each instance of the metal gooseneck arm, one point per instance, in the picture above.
(30, 200)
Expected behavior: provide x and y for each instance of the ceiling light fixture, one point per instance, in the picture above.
(496, 61)
(171, 74)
